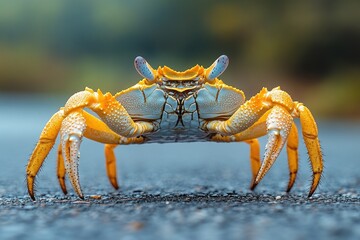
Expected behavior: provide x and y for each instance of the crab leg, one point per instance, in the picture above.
(310, 135)
(254, 159)
(248, 122)
(257, 130)
(110, 158)
(110, 167)
(100, 132)
(42, 149)
(293, 157)
(254, 152)
(61, 172)
(75, 123)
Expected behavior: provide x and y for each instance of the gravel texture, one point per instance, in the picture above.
(176, 191)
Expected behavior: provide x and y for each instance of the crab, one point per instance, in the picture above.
(169, 106)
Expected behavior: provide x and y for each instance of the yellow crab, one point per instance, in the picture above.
(170, 106)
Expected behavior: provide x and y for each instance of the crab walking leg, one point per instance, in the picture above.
(293, 157)
(111, 164)
(61, 172)
(250, 136)
(110, 158)
(100, 132)
(310, 135)
(42, 149)
(254, 152)
(254, 159)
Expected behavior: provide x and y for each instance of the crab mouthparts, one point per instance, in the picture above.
(180, 85)
(180, 88)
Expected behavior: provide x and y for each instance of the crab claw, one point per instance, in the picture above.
(279, 123)
(71, 132)
(144, 69)
(217, 68)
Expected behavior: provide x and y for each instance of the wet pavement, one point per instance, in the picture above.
(175, 191)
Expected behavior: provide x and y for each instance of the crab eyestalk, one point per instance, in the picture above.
(144, 69)
(217, 68)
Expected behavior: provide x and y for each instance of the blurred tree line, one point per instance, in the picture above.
(310, 48)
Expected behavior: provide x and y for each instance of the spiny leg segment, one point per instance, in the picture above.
(310, 135)
(44, 145)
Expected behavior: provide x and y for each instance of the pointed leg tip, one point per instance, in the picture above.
(80, 194)
(32, 197)
(115, 184)
(30, 186)
(311, 193)
(253, 186)
(314, 185)
(288, 189)
(64, 189)
(31, 194)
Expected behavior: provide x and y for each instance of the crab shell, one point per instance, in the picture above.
(178, 102)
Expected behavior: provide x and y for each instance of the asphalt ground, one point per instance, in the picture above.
(175, 191)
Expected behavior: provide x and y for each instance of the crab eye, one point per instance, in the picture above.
(144, 69)
(217, 68)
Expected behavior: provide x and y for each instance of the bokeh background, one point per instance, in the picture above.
(310, 48)
(50, 49)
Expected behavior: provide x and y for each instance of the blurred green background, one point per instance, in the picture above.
(310, 48)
